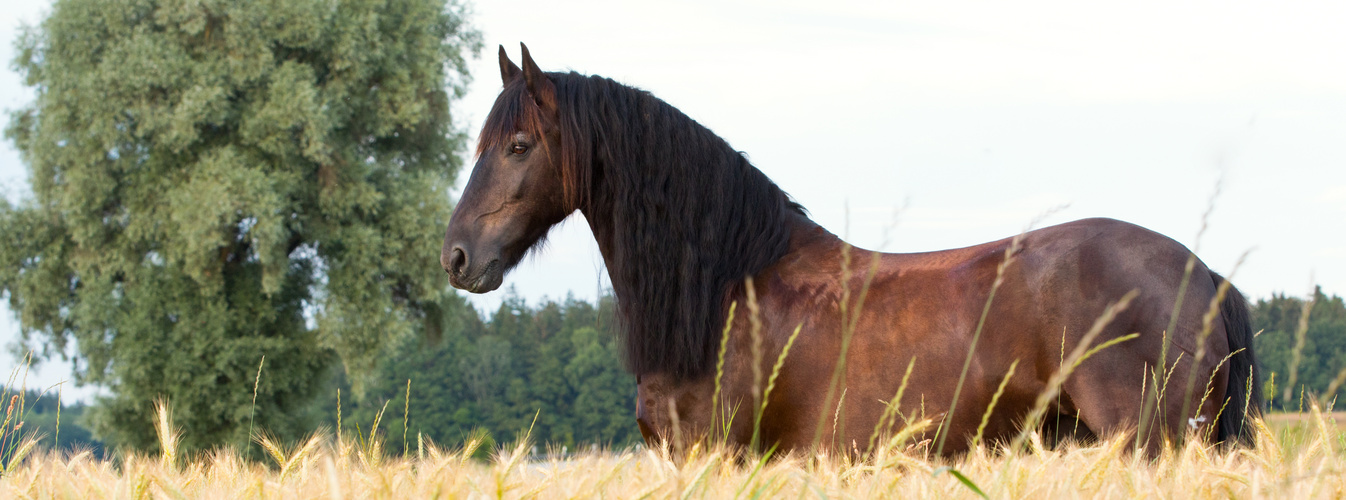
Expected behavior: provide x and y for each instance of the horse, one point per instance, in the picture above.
(690, 231)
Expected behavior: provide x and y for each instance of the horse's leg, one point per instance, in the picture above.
(673, 413)
(1065, 426)
(1169, 424)
(1107, 398)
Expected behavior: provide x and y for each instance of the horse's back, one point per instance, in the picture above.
(1067, 273)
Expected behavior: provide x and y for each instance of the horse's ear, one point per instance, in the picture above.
(508, 70)
(539, 86)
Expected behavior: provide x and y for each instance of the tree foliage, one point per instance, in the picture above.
(557, 362)
(221, 180)
(1322, 357)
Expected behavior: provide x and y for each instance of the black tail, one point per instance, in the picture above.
(1235, 421)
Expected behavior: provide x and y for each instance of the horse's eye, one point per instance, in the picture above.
(519, 149)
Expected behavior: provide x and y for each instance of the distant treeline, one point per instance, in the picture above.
(35, 413)
(554, 368)
(1323, 357)
(556, 363)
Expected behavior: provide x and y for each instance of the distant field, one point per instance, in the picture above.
(1289, 461)
(1273, 419)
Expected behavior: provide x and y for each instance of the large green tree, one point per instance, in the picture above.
(215, 181)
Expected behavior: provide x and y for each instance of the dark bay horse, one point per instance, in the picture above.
(681, 220)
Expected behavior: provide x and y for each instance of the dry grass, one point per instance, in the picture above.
(1304, 459)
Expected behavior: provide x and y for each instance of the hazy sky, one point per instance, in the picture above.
(975, 116)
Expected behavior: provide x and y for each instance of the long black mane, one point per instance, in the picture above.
(680, 216)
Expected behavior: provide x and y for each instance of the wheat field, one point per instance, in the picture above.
(1303, 458)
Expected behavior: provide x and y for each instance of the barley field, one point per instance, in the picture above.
(1296, 456)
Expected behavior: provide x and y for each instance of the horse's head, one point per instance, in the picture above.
(515, 193)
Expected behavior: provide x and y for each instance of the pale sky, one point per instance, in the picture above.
(975, 116)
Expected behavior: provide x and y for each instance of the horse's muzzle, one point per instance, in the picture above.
(457, 263)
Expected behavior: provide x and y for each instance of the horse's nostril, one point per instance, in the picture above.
(458, 261)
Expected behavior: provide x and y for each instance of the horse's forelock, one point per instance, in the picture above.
(514, 111)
